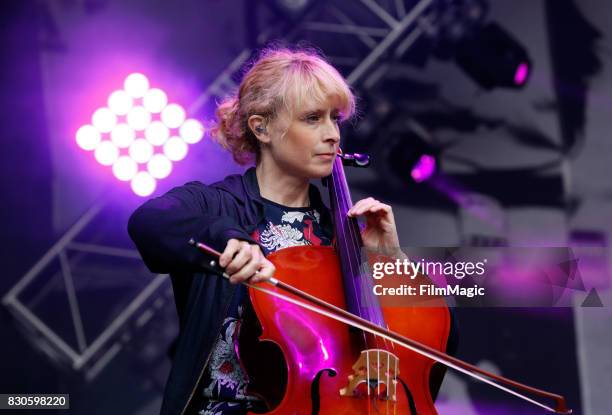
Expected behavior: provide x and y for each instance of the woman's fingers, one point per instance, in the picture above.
(265, 272)
(369, 205)
(248, 269)
(241, 258)
(243, 261)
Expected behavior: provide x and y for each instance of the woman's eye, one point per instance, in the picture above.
(312, 118)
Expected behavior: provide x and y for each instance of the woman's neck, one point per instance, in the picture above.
(280, 187)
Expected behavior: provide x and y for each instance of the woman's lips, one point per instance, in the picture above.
(326, 156)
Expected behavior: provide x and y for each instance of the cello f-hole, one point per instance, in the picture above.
(315, 396)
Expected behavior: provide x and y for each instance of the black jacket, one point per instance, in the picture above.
(161, 229)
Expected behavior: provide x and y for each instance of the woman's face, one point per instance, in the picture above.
(309, 146)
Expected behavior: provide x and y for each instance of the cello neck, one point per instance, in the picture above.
(360, 299)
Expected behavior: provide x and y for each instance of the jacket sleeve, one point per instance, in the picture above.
(162, 227)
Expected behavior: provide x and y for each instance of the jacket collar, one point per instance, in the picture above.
(251, 187)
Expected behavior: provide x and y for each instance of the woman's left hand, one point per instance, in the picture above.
(380, 232)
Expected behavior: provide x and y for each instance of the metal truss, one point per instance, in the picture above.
(391, 30)
(37, 298)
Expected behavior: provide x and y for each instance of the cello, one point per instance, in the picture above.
(324, 344)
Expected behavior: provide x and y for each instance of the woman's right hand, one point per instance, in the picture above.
(243, 261)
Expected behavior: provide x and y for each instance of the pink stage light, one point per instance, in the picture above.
(173, 115)
(157, 133)
(191, 131)
(521, 74)
(155, 100)
(141, 150)
(138, 118)
(125, 168)
(122, 135)
(104, 120)
(424, 168)
(106, 153)
(143, 184)
(175, 149)
(88, 137)
(159, 166)
(139, 134)
(136, 85)
(120, 102)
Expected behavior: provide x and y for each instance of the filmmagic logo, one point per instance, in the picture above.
(411, 269)
(430, 290)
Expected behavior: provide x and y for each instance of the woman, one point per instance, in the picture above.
(285, 118)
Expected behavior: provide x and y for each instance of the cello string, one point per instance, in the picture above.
(371, 304)
(352, 229)
(341, 221)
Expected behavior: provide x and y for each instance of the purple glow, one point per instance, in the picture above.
(424, 168)
(520, 76)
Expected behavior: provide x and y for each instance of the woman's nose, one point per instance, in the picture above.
(332, 133)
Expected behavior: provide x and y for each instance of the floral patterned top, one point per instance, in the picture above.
(225, 382)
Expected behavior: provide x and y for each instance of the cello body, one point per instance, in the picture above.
(324, 369)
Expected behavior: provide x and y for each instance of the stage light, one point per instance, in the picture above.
(157, 133)
(424, 168)
(173, 115)
(191, 131)
(122, 135)
(159, 166)
(136, 85)
(155, 100)
(138, 118)
(175, 148)
(521, 74)
(143, 184)
(106, 153)
(88, 137)
(104, 120)
(125, 168)
(493, 58)
(408, 155)
(120, 102)
(141, 150)
(128, 125)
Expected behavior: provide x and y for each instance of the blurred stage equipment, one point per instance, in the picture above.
(139, 134)
(486, 52)
(410, 155)
(492, 58)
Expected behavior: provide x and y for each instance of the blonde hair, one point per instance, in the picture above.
(278, 79)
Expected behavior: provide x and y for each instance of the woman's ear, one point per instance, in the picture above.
(257, 124)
